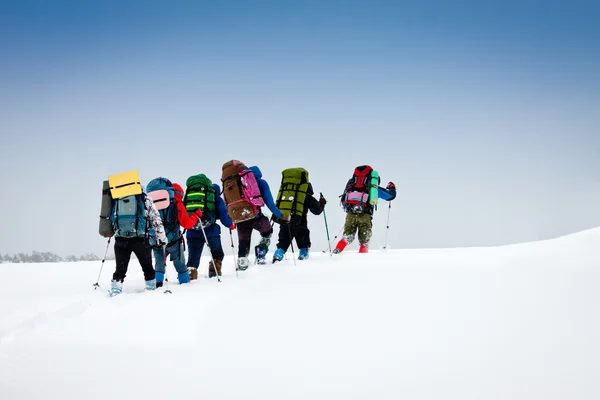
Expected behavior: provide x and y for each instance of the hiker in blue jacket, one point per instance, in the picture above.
(260, 223)
(195, 240)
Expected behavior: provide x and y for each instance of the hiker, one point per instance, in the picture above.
(245, 192)
(133, 217)
(295, 196)
(167, 197)
(359, 200)
(214, 209)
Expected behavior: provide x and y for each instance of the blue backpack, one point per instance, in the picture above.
(168, 215)
(128, 217)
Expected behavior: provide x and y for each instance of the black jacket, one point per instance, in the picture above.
(310, 203)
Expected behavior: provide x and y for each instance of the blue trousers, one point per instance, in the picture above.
(195, 246)
(177, 256)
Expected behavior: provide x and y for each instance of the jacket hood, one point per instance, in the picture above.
(217, 188)
(256, 171)
(178, 191)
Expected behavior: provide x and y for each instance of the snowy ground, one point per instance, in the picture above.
(513, 322)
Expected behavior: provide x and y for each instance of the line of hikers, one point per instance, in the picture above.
(148, 220)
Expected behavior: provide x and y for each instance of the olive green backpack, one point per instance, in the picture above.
(293, 191)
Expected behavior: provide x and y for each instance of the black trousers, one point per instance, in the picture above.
(288, 232)
(142, 250)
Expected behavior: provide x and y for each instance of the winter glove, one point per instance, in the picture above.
(285, 218)
(160, 242)
(198, 212)
(391, 189)
(322, 201)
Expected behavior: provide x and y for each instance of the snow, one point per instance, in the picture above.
(511, 322)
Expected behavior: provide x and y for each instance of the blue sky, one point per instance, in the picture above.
(485, 114)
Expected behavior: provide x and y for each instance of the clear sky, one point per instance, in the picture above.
(485, 114)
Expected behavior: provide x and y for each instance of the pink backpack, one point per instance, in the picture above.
(250, 188)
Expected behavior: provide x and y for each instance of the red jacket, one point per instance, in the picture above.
(185, 220)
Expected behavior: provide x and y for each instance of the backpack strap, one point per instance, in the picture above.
(116, 214)
(143, 210)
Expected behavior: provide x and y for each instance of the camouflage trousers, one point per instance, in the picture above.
(363, 223)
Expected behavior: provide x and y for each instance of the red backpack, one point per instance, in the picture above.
(356, 195)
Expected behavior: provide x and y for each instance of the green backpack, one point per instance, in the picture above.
(200, 194)
(293, 191)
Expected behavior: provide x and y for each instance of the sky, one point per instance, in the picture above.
(515, 322)
(486, 115)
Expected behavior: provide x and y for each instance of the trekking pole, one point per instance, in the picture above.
(326, 228)
(166, 279)
(97, 285)
(291, 243)
(336, 236)
(233, 253)
(387, 228)
(211, 255)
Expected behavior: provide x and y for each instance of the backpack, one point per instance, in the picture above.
(293, 191)
(240, 191)
(163, 194)
(106, 227)
(128, 216)
(200, 194)
(361, 192)
(124, 184)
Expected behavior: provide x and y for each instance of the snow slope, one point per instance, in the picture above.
(512, 322)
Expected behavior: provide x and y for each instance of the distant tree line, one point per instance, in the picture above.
(43, 257)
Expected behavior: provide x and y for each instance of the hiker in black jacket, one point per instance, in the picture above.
(297, 228)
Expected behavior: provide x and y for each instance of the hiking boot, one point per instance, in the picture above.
(340, 246)
(151, 284)
(364, 248)
(193, 274)
(184, 277)
(303, 254)
(278, 255)
(211, 270)
(219, 264)
(242, 263)
(160, 277)
(116, 288)
(261, 254)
